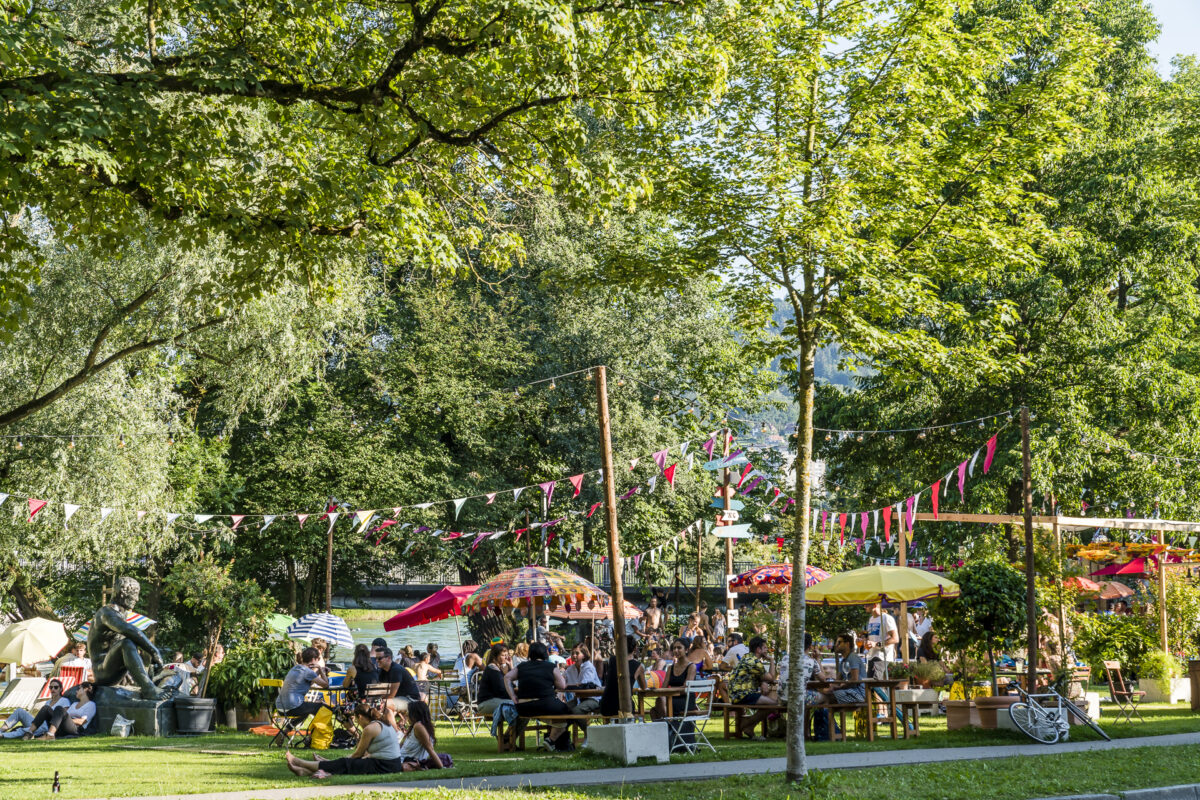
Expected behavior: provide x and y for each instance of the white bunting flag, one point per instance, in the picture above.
(423, 506)
(267, 520)
(104, 512)
(172, 517)
(517, 492)
(683, 448)
(633, 462)
(3, 497)
(458, 504)
(875, 529)
(971, 468)
(68, 510)
(202, 518)
(332, 519)
(652, 481)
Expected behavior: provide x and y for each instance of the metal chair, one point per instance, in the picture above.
(695, 715)
(1127, 699)
(468, 705)
(287, 729)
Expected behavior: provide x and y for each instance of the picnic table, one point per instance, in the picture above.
(640, 694)
(1022, 676)
(880, 696)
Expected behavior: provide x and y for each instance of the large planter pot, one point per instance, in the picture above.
(1181, 691)
(247, 720)
(989, 707)
(194, 714)
(961, 713)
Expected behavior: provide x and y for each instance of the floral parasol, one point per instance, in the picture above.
(774, 579)
(527, 586)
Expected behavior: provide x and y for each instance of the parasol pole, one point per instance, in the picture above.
(1030, 588)
(1162, 593)
(625, 698)
(902, 623)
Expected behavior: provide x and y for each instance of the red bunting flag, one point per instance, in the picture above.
(749, 468)
(887, 524)
(669, 474)
(779, 543)
(936, 485)
(34, 507)
(592, 510)
(577, 482)
(991, 452)
(842, 528)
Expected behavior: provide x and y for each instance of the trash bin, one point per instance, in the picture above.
(1194, 677)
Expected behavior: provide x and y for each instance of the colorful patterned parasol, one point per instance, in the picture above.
(774, 579)
(539, 586)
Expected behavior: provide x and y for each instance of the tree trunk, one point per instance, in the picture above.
(208, 656)
(797, 761)
(290, 563)
(310, 583)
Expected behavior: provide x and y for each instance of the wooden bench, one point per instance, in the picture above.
(576, 723)
(732, 715)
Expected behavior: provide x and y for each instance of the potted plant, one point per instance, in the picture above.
(988, 615)
(898, 671)
(234, 681)
(928, 674)
(207, 588)
(1159, 676)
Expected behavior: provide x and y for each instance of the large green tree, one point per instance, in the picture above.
(863, 154)
(296, 130)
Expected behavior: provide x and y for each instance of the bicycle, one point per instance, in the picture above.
(1048, 724)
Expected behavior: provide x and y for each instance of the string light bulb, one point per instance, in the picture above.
(656, 397)
(829, 437)
(891, 437)
(170, 440)
(310, 427)
(954, 431)
(120, 441)
(553, 386)
(860, 437)
(921, 435)
(982, 425)
(588, 375)
(19, 445)
(764, 428)
(71, 444)
(620, 381)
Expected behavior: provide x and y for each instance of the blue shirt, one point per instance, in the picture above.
(297, 683)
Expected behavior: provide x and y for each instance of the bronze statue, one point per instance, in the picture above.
(114, 644)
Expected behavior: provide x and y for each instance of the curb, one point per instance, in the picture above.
(1189, 791)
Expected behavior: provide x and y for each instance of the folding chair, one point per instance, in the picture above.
(693, 715)
(1126, 699)
(287, 729)
(68, 677)
(468, 705)
(20, 693)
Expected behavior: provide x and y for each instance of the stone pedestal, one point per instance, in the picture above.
(631, 741)
(150, 717)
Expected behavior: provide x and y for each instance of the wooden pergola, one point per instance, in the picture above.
(1058, 524)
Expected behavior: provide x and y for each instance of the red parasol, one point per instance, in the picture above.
(1082, 584)
(445, 602)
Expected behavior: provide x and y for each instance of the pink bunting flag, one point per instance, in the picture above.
(749, 468)
(936, 486)
(237, 519)
(302, 518)
(858, 543)
(577, 482)
(592, 510)
(140, 515)
(863, 520)
(842, 529)
(491, 498)
(669, 474)
(478, 540)
(630, 493)
(637, 562)
(1083, 507)
(396, 510)
(660, 458)
(752, 484)
(962, 480)
(708, 447)
(991, 452)
(824, 517)
(887, 524)
(548, 488)
(912, 514)
(34, 507)
(775, 499)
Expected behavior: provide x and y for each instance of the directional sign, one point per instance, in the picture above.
(732, 531)
(721, 463)
(736, 505)
(730, 516)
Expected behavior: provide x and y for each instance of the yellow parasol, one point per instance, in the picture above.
(885, 584)
(31, 641)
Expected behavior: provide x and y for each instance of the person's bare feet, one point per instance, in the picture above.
(320, 775)
(46, 737)
(295, 768)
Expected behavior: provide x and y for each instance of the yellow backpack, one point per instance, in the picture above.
(320, 730)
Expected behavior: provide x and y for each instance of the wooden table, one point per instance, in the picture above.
(875, 703)
(1022, 676)
(639, 694)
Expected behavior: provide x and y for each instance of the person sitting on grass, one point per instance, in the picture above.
(22, 724)
(752, 683)
(418, 751)
(378, 751)
(67, 720)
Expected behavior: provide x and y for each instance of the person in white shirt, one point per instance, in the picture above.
(882, 631)
(919, 624)
(75, 657)
(736, 650)
(22, 724)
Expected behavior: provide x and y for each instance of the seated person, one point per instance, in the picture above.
(75, 657)
(680, 671)
(751, 683)
(850, 671)
(425, 669)
(192, 667)
(928, 649)
(734, 652)
(408, 658)
(403, 684)
(299, 681)
(547, 636)
(65, 720)
(536, 693)
(582, 672)
(23, 724)
(418, 751)
(378, 751)
(610, 701)
(492, 691)
(363, 670)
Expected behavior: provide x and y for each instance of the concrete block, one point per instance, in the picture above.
(1184, 792)
(150, 717)
(1181, 691)
(631, 741)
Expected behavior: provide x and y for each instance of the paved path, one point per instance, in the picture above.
(694, 770)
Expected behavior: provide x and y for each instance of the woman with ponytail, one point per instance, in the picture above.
(378, 751)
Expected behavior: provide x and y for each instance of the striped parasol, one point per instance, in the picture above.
(773, 579)
(533, 586)
(594, 610)
(133, 618)
(321, 625)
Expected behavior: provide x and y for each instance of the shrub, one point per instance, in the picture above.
(1160, 667)
(989, 615)
(1113, 637)
(234, 681)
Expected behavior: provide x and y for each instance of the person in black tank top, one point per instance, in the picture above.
(536, 693)
(679, 679)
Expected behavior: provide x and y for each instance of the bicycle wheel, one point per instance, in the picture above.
(1035, 722)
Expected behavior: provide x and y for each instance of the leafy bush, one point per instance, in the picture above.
(929, 671)
(1113, 637)
(1160, 667)
(234, 681)
(826, 622)
(988, 616)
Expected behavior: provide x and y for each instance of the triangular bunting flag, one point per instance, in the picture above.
(267, 520)
(934, 497)
(577, 482)
(104, 512)
(34, 507)
(842, 529)
(423, 506)
(458, 504)
(202, 518)
(68, 510)
(332, 519)
(864, 523)
(971, 466)
(491, 497)
(669, 474)
(237, 520)
(517, 492)
(962, 480)
(887, 524)
(991, 453)
(172, 517)
(660, 458)
(548, 488)
(683, 448)
(652, 482)
(708, 447)
(592, 510)
(745, 472)
(824, 517)
(302, 518)
(633, 462)
(3, 497)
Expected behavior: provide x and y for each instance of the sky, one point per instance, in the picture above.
(1180, 20)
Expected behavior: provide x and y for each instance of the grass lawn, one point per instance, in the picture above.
(104, 766)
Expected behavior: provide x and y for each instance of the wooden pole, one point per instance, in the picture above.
(1062, 622)
(1162, 594)
(1030, 589)
(902, 623)
(624, 695)
(728, 540)
(699, 563)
